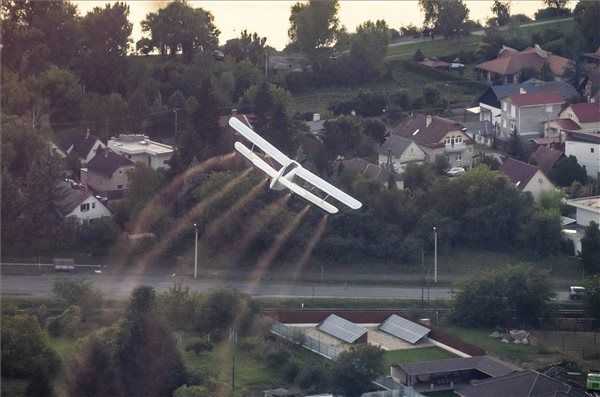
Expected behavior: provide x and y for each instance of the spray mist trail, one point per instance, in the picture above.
(259, 221)
(266, 259)
(311, 245)
(185, 222)
(218, 224)
(145, 219)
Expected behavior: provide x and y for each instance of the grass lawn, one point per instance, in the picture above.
(415, 355)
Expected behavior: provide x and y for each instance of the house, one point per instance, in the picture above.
(342, 329)
(545, 158)
(527, 112)
(489, 101)
(527, 383)
(586, 148)
(74, 201)
(140, 149)
(398, 152)
(587, 209)
(83, 146)
(371, 172)
(510, 64)
(448, 374)
(526, 177)
(107, 174)
(585, 115)
(438, 136)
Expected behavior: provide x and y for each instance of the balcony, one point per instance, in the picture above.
(455, 147)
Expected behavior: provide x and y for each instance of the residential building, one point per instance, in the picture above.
(508, 67)
(520, 384)
(585, 115)
(586, 148)
(107, 174)
(84, 146)
(398, 152)
(316, 126)
(449, 374)
(587, 209)
(526, 177)
(76, 202)
(369, 171)
(438, 136)
(140, 149)
(527, 112)
(545, 158)
(288, 63)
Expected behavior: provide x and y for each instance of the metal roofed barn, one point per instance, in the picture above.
(343, 329)
(404, 329)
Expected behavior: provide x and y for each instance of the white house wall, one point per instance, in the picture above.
(584, 217)
(538, 185)
(96, 210)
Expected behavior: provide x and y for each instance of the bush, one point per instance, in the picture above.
(520, 19)
(312, 379)
(277, 359)
(290, 371)
(552, 12)
(66, 324)
(200, 347)
(79, 293)
(191, 391)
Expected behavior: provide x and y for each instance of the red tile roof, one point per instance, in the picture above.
(545, 158)
(566, 124)
(587, 112)
(536, 98)
(519, 172)
(511, 62)
(416, 129)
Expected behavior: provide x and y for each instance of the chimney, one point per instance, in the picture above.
(428, 120)
(316, 117)
(522, 91)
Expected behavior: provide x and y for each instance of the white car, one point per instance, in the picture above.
(455, 171)
(576, 292)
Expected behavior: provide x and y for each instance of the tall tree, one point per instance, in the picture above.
(590, 248)
(558, 4)
(566, 171)
(313, 27)
(103, 62)
(248, 46)
(354, 370)
(179, 28)
(368, 49)
(446, 17)
(502, 11)
(587, 15)
(36, 34)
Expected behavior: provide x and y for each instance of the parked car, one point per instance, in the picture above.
(455, 171)
(576, 292)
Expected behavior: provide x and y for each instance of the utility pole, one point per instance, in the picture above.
(435, 264)
(234, 343)
(175, 129)
(196, 252)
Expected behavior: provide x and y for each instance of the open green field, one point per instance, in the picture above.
(415, 355)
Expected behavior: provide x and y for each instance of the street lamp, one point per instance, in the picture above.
(435, 267)
(196, 252)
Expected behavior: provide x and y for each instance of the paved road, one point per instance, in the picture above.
(121, 287)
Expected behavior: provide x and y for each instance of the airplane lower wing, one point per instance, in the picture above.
(328, 188)
(305, 194)
(255, 159)
(259, 141)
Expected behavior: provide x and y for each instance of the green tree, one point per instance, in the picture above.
(592, 297)
(59, 92)
(179, 28)
(342, 136)
(191, 391)
(494, 297)
(375, 129)
(418, 56)
(105, 35)
(368, 49)
(558, 4)
(502, 11)
(590, 248)
(250, 47)
(566, 171)
(80, 293)
(446, 17)
(515, 145)
(313, 28)
(587, 14)
(354, 370)
(542, 232)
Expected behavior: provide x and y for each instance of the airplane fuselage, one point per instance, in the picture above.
(286, 172)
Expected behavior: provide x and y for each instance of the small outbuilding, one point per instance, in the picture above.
(343, 329)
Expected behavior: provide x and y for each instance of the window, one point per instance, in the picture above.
(93, 205)
(119, 186)
(540, 181)
(84, 207)
(504, 106)
(459, 157)
(591, 150)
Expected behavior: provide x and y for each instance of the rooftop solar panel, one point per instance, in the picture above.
(404, 329)
(341, 328)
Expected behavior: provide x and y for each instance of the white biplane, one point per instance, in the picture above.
(284, 177)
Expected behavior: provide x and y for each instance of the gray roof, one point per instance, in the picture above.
(372, 172)
(341, 328)
(68, 198)
(565, 89)
(106, 162)
(404, 329)
(520, 384)
(485, 364)
(315, 127)
(396, 144)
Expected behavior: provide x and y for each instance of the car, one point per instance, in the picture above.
(576, 292)
(455, 171)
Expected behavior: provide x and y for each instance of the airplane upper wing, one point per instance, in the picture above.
(300, 191)
(256, 160)
(259, 141)
(327, 188)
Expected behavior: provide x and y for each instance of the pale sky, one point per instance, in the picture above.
(271, 18)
